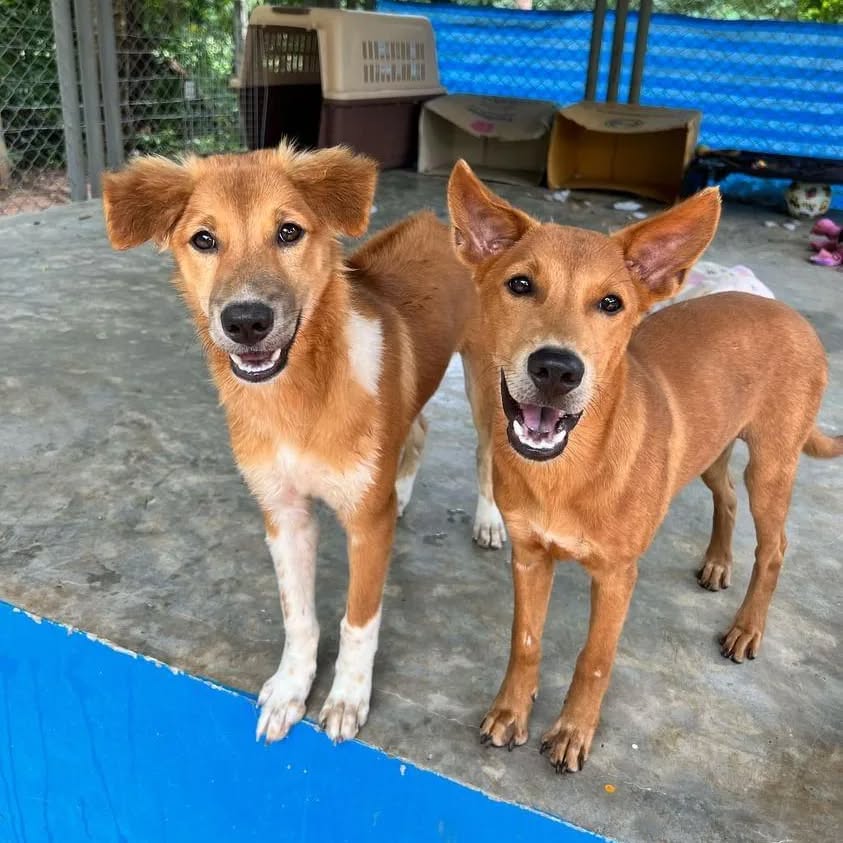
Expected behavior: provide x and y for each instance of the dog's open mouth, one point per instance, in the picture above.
(534, 431)
(254, 366)
(258, 366)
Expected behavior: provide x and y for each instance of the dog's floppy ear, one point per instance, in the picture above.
(661, 250)
(338, 185)
(483, 225)
(145, 201)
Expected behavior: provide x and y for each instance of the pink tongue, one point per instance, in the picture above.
(532, 415)
(540, 419)
(550, 415)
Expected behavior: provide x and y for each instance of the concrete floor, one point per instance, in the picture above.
(121, 512)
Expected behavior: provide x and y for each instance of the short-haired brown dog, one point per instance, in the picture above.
(323, 365)
(601, 422)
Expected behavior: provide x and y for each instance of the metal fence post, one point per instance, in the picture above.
(69, 92)
(5, 159)
(618, 36)
(89, 77)
(109, 78)
(642, 30)
(597, 23)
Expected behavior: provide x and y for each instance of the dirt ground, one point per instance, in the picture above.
(34, 192)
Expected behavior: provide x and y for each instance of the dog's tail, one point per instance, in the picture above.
(823, 447)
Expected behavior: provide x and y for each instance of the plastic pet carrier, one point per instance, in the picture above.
(327, 76)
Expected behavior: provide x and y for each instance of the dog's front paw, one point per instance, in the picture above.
(489, 529)
(504, 726)
(715, 574)
(742, 641)
(343, 716)
(283, 701)
(566, 744)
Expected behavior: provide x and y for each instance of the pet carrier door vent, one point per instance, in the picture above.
(393, 61)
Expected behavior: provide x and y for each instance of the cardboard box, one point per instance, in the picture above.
(631, 148)
(502, 139)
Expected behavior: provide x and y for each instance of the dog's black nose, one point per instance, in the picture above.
(555, 370)
(247, 322)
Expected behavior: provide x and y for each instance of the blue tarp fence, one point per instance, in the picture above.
(766, 86)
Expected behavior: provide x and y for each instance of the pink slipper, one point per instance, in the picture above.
(827, 228)
(820, 241)
(826, 258)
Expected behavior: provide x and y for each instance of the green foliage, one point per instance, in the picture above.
(826, 11)
(29, 99)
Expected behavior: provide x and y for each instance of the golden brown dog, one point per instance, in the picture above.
(322, 365)
(600, 424)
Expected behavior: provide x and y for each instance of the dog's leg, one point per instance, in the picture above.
(507, 720)
(291, 534)
(568, 741)
(370, 537)
(769, 481)
(716, 571)
(408, 467)
(489, 530)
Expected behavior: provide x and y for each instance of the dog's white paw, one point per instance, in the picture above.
(283, 701)
(404, 491)
(347, 707)
(489, 529)
(343, 716)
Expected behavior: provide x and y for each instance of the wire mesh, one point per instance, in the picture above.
(175, 62)
(32, 174)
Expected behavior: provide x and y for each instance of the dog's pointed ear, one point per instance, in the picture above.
(483, 225)
(144, 201)
(661, 250)
(338, 185)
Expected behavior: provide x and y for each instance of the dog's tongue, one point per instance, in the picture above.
(540, 419)
(532, 416)
(254, 356)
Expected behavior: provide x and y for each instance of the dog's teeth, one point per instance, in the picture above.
(519, 429)
(254, 368)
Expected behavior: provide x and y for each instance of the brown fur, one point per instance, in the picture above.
(666, 402)
(407, 278)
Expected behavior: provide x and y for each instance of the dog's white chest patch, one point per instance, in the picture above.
(294, 475)
(365, 350)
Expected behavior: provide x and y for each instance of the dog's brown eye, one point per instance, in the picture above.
(520, 285)
(203, 241)
(610, 304)
(289, 233)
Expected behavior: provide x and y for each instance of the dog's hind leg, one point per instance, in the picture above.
(408, 467)
(716, 571)
(769, 480)
(489, 530)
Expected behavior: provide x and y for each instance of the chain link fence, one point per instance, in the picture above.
(32, 174)
(174, 63)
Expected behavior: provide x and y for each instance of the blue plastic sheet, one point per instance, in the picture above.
(767, 86)
(102, 746)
